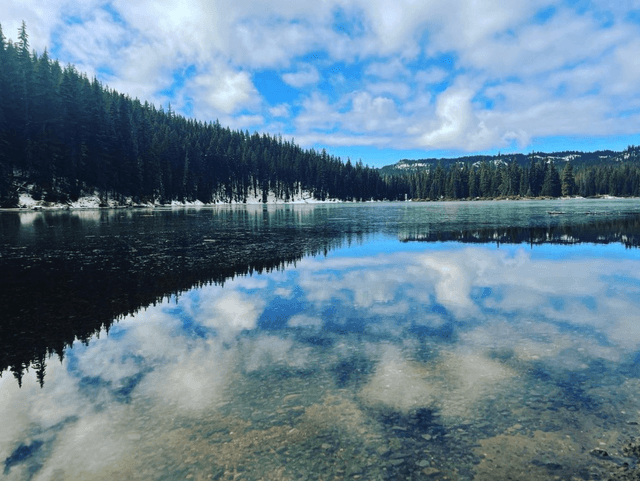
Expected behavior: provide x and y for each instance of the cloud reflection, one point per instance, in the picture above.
(451, 385)
(439, 330)
(230, 313)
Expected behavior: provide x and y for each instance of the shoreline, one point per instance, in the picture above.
(27, 204)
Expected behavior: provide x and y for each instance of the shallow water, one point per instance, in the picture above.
(369, 357)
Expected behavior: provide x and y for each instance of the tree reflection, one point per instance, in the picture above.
(66, 278)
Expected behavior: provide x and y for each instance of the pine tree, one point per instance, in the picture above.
(551, 186)
(473, 183)
(485, 187)
(4, 99)
(568, 180)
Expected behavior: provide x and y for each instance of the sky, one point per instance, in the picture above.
(374, 80)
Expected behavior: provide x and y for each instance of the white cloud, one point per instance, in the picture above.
(93, 446)
(41, 19)
(281, 110)
(462, 24)
(317, 113)
(457, 124)
(307, 76)
(371, 113)
(225, 91)
(565, 41)
(390, 70)
(393, 26)
(626, 76)
(267, 352)
(570, 74)
(269, 44)
(92, 42)
(397, 89)
(431, 75)
(360, 117)
(304, 320)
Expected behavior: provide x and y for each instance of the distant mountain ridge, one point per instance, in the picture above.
(577, 158)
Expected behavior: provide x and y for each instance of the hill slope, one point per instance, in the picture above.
(63, 136)
(578, 159)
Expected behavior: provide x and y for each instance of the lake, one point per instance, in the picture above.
(457, 340)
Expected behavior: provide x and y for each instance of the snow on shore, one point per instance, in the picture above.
(26, 201)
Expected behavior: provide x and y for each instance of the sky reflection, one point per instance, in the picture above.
(443, 329)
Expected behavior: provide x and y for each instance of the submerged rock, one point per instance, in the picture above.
(599, 453)
(430, 472)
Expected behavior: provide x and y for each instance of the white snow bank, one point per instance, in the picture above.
(26, 201)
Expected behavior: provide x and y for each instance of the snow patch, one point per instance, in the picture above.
(93, 201)
(26, 201)
(407, 166)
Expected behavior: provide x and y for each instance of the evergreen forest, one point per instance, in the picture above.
(65, 135)
(68, 134)
(541, 177)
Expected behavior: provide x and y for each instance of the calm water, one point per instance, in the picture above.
(459, 341)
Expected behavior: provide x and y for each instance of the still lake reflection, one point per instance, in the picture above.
(381, 359)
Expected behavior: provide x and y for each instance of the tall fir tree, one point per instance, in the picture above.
(568, 180)
(551, 186)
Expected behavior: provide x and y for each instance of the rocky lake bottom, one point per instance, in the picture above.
(386, 354)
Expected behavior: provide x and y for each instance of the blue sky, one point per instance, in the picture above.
(367, 79)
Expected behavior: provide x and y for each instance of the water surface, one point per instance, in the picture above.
(465, 341)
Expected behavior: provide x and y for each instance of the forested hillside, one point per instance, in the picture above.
(67, 134)
(538, 174)
(540, 178)
(578, 160)
(63, 135)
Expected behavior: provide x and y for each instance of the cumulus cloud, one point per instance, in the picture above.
(93, 446)
(225, 91)
(307, 76)
(390, 70)
(455, 119)
(382, 286)
(371, 113)
(281, 110)
(390, 75)
(42, 19)
(305, 320)
(397, 89)
(431, 75)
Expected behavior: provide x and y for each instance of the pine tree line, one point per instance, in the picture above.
(540, 178)
(66, 133)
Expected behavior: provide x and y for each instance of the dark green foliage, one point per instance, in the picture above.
(508, 178)
(551, 186)
(568, 180)
(66, 133)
